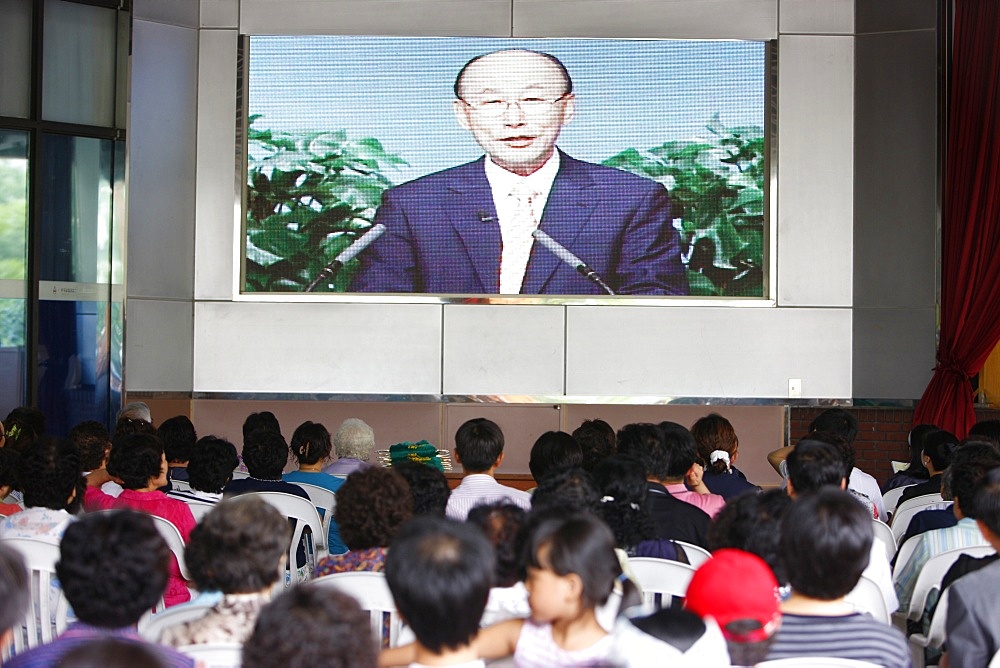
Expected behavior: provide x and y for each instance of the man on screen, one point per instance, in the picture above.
(469, 229)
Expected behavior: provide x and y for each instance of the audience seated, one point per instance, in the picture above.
(667, 637)
(51, 480)
(719, 447)
(263, 420)
(596, 439)
(111, 653)
(685, 473)
(23, 426)
(986, 428)
(113, 567)
(567, 490)
(311, 448)
(752, 523)
(440, 573)
(179, 438)
(265, 454)
(135, 410)
(138, 461)
(673, 519)
(939, 449)
(237, 549)
(553, 451)
(428, 487)
(371, 506)
(937, 516)
(15, 592)
(479, 449)
(92, 440)
(915, 472)
(10, 496)
(307, 627)
(503, 523)
(826, 537)
(973, 622)
(353, 443)
(209, 470)
(738, 590)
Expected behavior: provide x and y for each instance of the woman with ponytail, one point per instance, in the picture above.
(719, 447)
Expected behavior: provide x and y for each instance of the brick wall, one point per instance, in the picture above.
(881, 437)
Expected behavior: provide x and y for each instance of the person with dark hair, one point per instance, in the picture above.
(515, 102)
(10, 502)
(973, 617)
(179, 438)
(502, 524)
(311, 626)
(353, 443)
(553, 451)
(673, 519)
(263, 420)
(826, 538)
(371, 506)
(440, 572)
(566, 490)
(479, 449)
(126, 426)
(52, 483)
(111, 653)
(939, 447)
(15, 592)
(138, 461)
(265, 454)
(113, 569)
(970, 464)
(596, 439)
(428, 487)
(311, 448)
(685, 471)
(22, 427)
(719, 448)
(752, 523)
(915, 472)
(91, 438)
(209, 470)
(237, 549)
(987, 428)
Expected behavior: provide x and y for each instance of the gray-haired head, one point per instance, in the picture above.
(136, 410)
(354, 440)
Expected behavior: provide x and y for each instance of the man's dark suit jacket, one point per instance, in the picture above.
(674, 519)
(443, 235)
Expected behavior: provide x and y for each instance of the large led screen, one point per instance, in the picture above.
(471, 166)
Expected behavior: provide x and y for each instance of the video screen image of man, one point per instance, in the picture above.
(474, 229)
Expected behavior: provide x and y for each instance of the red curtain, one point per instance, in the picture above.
(970, 264)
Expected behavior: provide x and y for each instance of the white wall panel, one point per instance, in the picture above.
(174, 12)
(158, 345)
(162, 161)
(503, 349)
(376, 17)
(217, 206)
(822, 17)
(815, 170)
(220, 13)
(323, 348)
(708, 352)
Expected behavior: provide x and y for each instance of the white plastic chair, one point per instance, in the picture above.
(935, 634)
(934, 571)
(180, 486)
(46, 616)
(153, 624)
(215, 655)
(661, 578)
(816, 662)
(175, 542)
(884, 533)
(891, 498)
(305, 515)
(371, 591)
(995, 661)
(198, 508)
(909, 508)
(323, 499)
(696, 554)
(903, 554)
(867, 597)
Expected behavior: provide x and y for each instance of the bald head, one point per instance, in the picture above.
(514, 60)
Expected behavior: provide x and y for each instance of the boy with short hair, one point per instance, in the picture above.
(479, 449)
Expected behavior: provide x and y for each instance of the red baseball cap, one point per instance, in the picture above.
(736, 586)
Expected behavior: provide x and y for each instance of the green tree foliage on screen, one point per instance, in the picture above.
(13, 246)
(718, 185)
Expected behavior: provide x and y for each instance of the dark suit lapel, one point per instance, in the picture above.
(571, 202)
(474, 218)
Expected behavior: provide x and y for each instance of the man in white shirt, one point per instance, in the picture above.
(479, 449)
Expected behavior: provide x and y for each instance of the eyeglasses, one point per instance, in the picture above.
(529, 106)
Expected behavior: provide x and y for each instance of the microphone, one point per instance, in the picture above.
(485, 217)
(563, 254)
(329, 272)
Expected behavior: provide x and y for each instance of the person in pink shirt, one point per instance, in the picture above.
(684, 479)
(138, 461)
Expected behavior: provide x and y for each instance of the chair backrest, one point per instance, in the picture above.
(371, 591)
(180, 486)
(198, 508)
(884, 533)
(215, 655)
(867, 597)
(46, 616)
(933, 572)
(153, 624)
(909, 508)
(175, 542)
(696, 554)
(660, 578)
(891, 498)
(903, 555)
(305, 515)
(324, 500)
(936, 633)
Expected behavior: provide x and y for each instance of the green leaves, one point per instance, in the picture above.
(718, 186)
(309, 196)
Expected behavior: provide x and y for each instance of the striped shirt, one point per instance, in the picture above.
(932, 543)
(857, 636)
(478, 489)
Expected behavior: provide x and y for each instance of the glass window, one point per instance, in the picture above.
(79, 63)
(15, 58)
(13, 266)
